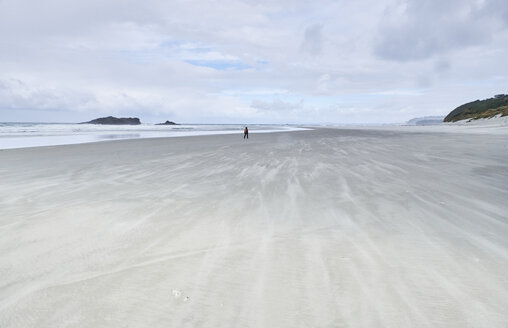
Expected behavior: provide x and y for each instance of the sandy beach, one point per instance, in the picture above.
(320, 228)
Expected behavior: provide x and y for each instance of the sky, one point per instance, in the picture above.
(343, 62)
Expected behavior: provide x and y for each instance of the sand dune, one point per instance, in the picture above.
(323, 228)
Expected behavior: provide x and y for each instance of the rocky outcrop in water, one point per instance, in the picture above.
(110, 120)
(167, 123)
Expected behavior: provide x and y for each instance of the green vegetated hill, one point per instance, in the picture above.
(480, 109)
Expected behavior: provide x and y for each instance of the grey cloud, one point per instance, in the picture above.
(423, 29)
(496, 9)
(312, 40)
(423, 81)
(442, 65)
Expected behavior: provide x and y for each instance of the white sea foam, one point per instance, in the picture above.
(21, 135)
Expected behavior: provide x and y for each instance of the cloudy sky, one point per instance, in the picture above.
(369, 61)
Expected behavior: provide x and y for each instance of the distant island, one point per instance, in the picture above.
(110, 120)
(477, 109)
(427, 120)
(167, 123)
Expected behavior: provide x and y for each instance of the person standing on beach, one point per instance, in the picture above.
(246, 133)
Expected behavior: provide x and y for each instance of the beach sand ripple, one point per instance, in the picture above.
(323, 228)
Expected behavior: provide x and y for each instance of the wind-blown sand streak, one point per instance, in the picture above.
(324, 228)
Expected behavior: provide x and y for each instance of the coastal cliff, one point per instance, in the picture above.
(477, 109)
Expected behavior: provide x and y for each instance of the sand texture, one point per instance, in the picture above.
(323, 228)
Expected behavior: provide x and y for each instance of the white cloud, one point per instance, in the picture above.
(235, 61)
(277, 105)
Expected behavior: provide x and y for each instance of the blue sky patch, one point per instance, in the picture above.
(220, 65)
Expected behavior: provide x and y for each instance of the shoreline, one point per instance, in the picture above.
(111, 133)
(461, 128)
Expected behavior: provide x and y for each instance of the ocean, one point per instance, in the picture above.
(21, 135)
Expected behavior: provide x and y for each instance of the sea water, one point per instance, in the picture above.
(21, 135)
